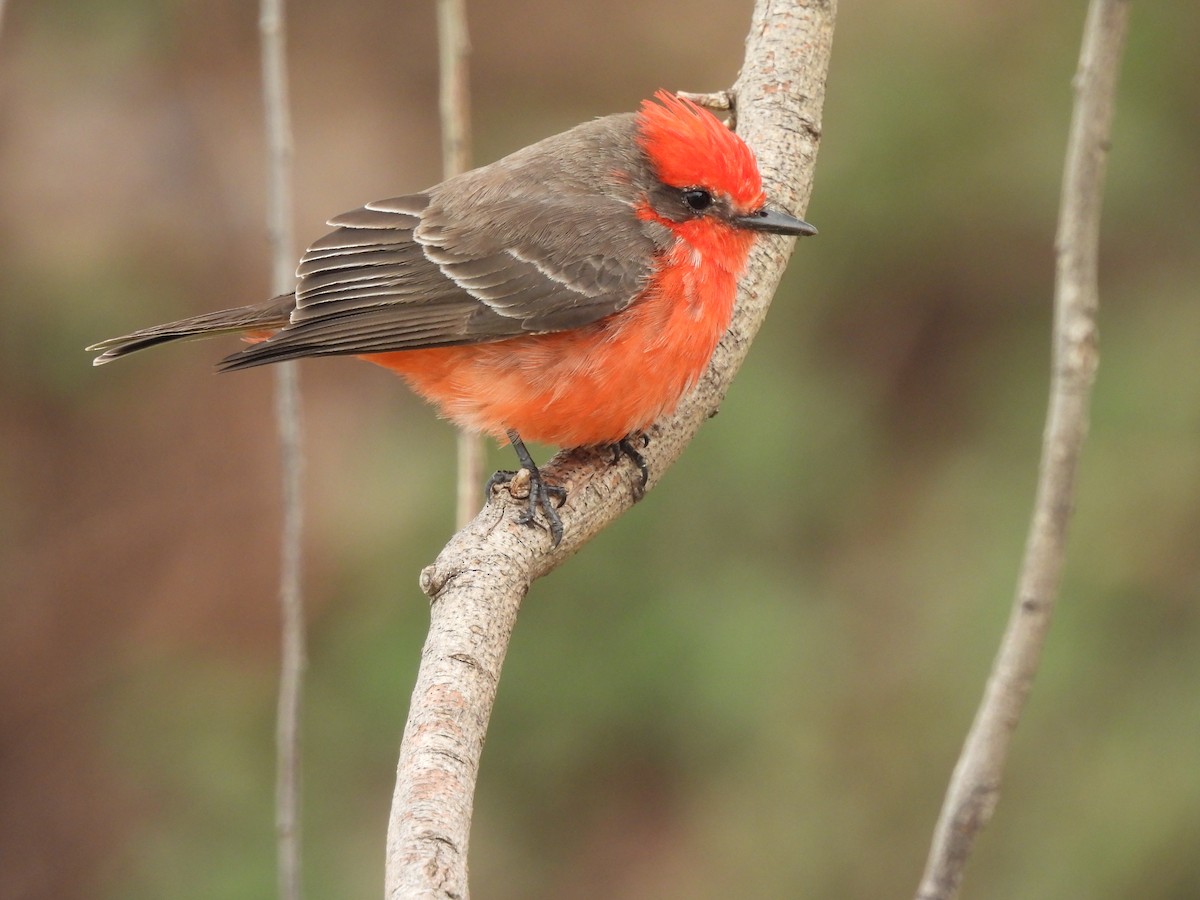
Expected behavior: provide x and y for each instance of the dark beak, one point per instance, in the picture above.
(774, 221)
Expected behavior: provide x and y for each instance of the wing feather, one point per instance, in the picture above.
(461, 263)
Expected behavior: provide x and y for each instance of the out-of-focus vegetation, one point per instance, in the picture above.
(757, 682)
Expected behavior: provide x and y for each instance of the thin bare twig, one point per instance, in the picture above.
(720, 102)
(287, 412)
(454, 103)
(454, 98)
(974, 788)
(479, 579)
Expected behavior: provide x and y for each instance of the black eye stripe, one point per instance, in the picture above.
(697, 199)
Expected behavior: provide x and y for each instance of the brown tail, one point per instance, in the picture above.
(275, 313)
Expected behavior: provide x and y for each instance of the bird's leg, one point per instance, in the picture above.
(624, 447)
(540, 493)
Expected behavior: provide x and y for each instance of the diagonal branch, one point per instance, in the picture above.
(479, 579)
(975, 786)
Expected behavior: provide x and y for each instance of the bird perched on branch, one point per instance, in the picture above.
(569, 293)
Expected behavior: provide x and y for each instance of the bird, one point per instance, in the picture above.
(569, 293)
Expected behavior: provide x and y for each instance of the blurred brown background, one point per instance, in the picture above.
(757, 682)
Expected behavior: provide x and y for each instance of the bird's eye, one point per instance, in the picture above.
(697, 199)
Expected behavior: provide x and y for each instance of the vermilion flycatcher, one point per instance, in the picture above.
(569, 293)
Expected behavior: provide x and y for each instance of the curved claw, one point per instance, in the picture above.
(624, 447)
(540, 494)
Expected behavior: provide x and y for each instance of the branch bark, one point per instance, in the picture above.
(975, 785)
(291, 456)
(478, 581)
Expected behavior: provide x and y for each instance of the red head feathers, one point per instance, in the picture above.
(689, 147)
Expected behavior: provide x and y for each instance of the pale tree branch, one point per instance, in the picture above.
(287, 414)
(479, 579)
(974, 787)
(720, 101)
(454, 103)
(454, 99)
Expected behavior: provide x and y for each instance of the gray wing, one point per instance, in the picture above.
(410, 272)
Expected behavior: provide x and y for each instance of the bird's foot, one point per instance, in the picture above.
(528, 482)
(625, 447)
(547, 497)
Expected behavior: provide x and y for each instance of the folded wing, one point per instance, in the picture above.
(409, 273)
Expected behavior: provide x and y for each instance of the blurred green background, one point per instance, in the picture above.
(754, 684)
